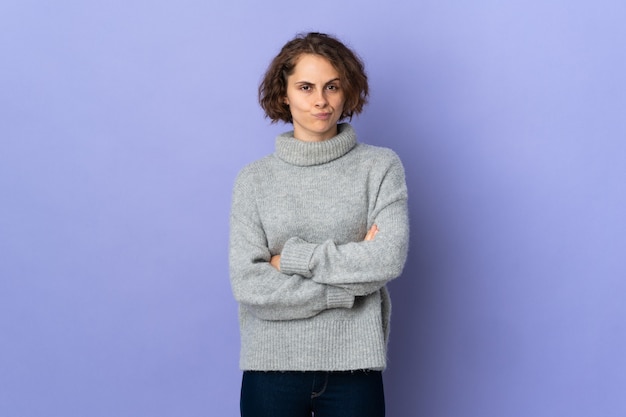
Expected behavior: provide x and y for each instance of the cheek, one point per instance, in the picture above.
(340, 102)
(298, 103)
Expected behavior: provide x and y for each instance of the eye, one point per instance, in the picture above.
(332, 87)
(305, 87)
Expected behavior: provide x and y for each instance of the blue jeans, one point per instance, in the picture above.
(303, 394)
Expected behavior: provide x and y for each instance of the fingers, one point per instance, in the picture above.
(371, 233)
(275, 262)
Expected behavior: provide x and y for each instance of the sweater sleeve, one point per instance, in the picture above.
(359, 267)
(257, 285)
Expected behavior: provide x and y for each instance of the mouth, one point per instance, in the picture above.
(322, 116)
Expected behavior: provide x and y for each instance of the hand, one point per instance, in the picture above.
(275, 261)
(371, 233)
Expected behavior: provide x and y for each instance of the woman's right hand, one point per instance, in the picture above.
(371, 233)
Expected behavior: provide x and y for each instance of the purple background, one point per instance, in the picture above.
(124, 123)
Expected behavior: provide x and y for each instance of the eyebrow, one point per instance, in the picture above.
(326, 83)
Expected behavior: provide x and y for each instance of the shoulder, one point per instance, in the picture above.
(247, 185)
(376, 151)
(249, 173)
(378, 155)
(383, 166)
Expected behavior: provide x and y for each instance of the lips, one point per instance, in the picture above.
(322, 116)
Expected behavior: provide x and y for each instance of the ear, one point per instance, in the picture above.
(286, 100)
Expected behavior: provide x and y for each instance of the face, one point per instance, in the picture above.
(315, 98)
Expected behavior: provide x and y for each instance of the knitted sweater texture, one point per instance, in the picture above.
(313, 202)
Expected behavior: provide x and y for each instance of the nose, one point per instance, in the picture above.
(320, 99)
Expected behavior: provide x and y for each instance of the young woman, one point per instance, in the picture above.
(317, 230)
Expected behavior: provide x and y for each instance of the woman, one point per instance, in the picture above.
(317, 230)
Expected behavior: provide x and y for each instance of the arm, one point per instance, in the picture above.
(260, 288)
(275, 261)
(359, 267)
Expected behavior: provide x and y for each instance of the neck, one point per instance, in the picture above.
(307, 153)
(312, 137)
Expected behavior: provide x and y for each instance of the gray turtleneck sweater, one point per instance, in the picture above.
(312, 203)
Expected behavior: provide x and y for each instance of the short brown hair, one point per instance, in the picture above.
(273, 88)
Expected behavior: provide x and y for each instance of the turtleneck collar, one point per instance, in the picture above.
(301, 153)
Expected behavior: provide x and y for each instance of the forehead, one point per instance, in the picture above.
(314, 67)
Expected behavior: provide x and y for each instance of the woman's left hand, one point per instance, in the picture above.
(275, 261)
